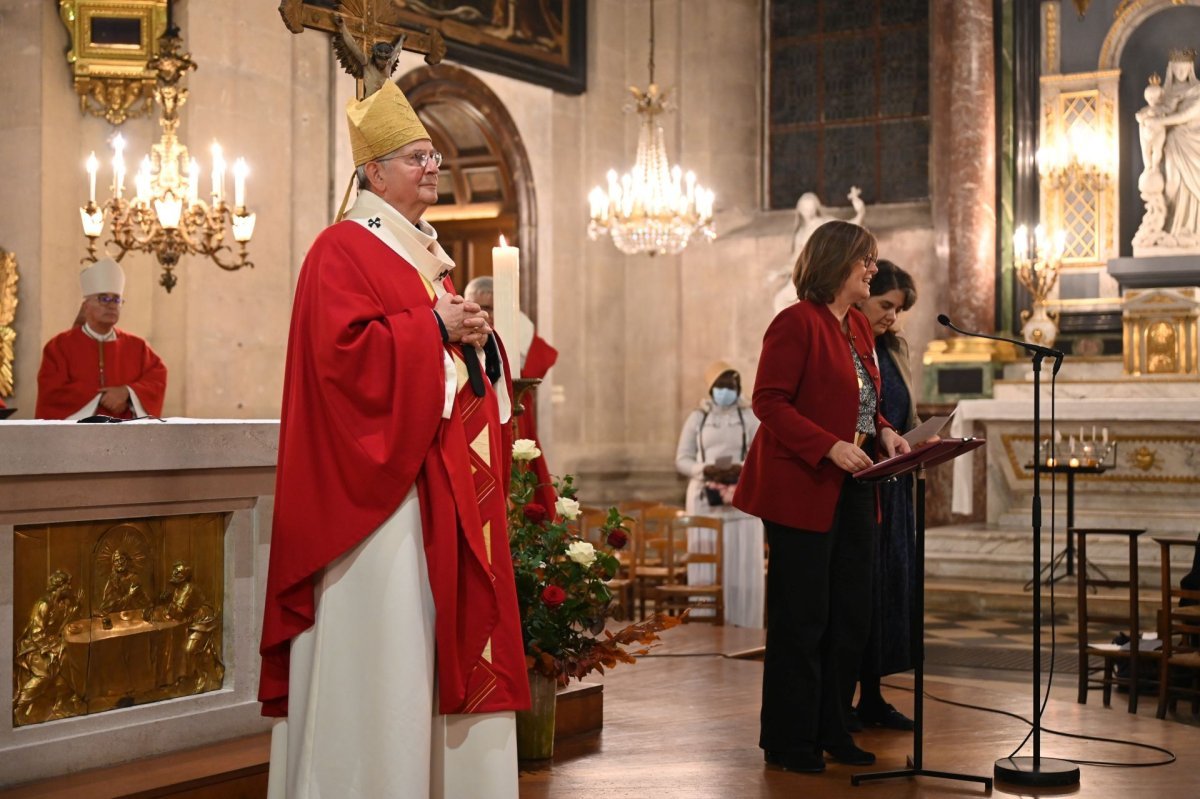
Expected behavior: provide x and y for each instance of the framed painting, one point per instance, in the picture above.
(538, 41)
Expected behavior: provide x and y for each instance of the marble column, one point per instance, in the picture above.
(963, 111)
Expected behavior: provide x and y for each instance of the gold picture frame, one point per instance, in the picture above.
(110, 43)
(8, 312)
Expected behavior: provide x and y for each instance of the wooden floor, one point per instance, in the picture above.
(683, 724)
(688, 727)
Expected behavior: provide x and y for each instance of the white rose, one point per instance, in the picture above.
(567, 508)
(525, 449)
(581, 552)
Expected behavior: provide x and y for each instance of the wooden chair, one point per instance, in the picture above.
(654, 554)
(1094, 624)
(1180, 633)
(676, 596)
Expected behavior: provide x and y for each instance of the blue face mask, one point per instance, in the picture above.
(724, 396)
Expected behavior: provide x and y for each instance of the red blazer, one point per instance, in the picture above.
(806, 396)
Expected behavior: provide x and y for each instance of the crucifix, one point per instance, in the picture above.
(369, 24)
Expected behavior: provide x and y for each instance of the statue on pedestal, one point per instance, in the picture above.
(809, 217)
(1169, 132)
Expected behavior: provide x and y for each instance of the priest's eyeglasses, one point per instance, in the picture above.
(109, 299)
(421, 158)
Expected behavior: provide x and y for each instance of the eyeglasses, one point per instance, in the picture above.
(869, 261)
(109, 299)
(421, 158)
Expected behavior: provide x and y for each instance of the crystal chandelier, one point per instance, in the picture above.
(166, 215)
(655, 208)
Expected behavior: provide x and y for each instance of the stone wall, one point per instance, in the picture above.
(634, 333)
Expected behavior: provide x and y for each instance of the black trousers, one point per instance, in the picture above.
(818, 620)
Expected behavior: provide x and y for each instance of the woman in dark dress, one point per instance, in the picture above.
(889, 648)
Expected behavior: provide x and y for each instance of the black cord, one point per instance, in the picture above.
(1114, 763)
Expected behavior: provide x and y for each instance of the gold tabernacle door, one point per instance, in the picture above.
(111, 614)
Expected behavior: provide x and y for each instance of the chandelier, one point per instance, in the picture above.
(655, 208)
(166, 216)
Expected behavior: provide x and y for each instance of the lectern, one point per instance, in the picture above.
(917, 461)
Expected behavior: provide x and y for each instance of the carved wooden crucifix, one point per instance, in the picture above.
(369, 21)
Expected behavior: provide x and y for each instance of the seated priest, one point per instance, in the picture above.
(96, 369)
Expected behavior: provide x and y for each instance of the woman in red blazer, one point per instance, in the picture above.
(816, 396)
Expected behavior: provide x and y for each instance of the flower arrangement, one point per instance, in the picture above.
(561, 581)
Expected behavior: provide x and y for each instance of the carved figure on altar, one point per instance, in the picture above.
(41, 692)
(809, 217)
(123, 589)
(183, 602)
(1169, 132)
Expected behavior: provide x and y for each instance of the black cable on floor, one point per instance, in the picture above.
(1113, 763)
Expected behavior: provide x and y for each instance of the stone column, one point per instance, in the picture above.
(963, 111)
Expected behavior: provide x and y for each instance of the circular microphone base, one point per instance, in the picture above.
(1044, 772)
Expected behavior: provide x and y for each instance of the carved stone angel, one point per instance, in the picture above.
(373, 70)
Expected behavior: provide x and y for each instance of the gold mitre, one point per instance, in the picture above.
(1187, 54)
(382, 123)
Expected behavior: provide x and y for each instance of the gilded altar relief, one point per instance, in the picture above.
(114, 614)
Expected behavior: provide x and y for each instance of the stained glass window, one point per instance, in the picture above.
(849, 100)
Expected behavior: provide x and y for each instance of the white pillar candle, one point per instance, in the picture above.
(240, 170)
(218, 172)
(1104, 435)
(92, 166)
(506, 303)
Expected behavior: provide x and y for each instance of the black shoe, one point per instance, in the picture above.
(810, 762)
(885, 716)
(853, 722)
(851, 755)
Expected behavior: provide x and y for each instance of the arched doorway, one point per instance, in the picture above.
(486, 185)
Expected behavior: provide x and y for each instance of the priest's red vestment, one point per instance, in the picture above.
(70, 375)
(361, 424)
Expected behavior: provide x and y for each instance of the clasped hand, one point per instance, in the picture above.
(465, 321)
(115, 399)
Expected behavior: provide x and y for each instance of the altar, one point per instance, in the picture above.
(132, 567)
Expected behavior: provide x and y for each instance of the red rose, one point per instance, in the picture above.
(617, 538)
(535, 513)
(553, 596)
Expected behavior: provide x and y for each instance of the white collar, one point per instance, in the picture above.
(417, 242)
(111, 335)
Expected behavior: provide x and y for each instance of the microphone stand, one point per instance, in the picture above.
(1035, 771)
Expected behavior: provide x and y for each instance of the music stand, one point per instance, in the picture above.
(918, 460)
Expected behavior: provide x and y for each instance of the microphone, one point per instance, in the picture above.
(1036, 349)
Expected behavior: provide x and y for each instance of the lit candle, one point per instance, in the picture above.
(240, 170)
(506, 295)
(1104, 435)
(218, 172)
(1073, 463)
(118, 164)
(141, 181)
(1021, 243)
(1072, 440)
(1093, 434)
(92, 166)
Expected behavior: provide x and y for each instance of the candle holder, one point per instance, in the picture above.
(522, 386)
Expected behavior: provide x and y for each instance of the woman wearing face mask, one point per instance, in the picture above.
(712, 447)
(889, 646)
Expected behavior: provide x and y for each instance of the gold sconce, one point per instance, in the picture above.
(8, 311)
(166, 216)
(1080, 158)
(111, 41)
(1038, 262)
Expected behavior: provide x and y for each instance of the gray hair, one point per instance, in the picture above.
(480, 285)
(360, 172)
